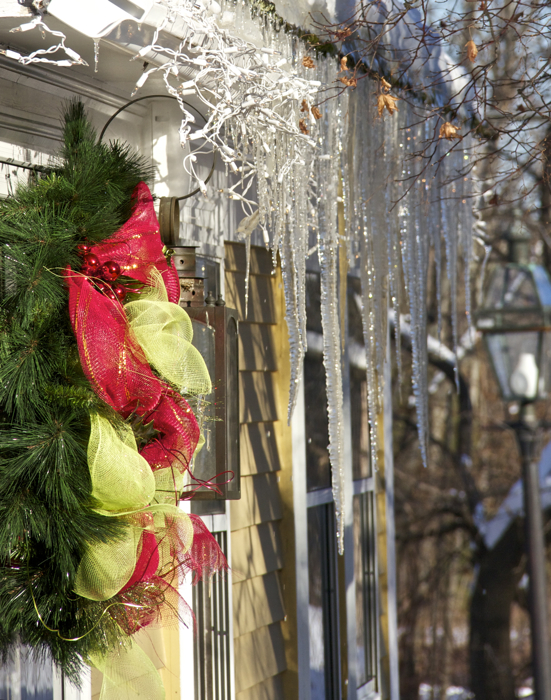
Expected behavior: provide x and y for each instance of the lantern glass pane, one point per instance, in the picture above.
(204, 461)
(511, 287)
(515, 357)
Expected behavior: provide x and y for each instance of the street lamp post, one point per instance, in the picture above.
(515, 318)
(526, 432)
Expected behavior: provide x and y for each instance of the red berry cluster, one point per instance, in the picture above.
(105, 275)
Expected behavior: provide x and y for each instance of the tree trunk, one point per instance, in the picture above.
(545, 198)
(489, 644)
(409, 679)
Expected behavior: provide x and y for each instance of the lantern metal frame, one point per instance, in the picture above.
(218, 461)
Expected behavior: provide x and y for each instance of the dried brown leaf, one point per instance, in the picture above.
(342, 34)
(316, 113)
(304, 107)
(472, 51)
(308, 62)
(386, 102)
(303, 127)
(344, 63)
(349, 82)
(449, 131)
(386, 85)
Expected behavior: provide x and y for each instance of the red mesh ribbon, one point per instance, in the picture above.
(137, 245)
(112, 360)
(179, 433)
(153, 602)
(205, 556)
(148, 561)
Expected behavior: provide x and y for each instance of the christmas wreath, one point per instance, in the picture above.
(96, 435)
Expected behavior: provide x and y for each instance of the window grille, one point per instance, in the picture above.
(325, 672)
(365, 573)
(212, 640)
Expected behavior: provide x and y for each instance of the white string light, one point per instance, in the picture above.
(41, 55)
(246, 91)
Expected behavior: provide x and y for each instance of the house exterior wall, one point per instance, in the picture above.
(257, 546)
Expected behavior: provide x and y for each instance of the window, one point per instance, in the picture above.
(365, 561)
(23, 678)
(318, 468)
(365, 586)
(323, 611)
(212, 652)
(26, 677)
(324, 565)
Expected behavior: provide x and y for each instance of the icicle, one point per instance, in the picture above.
(450, 226)
(96, 55)
(433, 196)
(328, 254)
(247, 272)
(367, 176)
(393, 234)
(293, 168)
(467, 229)
(415, 265)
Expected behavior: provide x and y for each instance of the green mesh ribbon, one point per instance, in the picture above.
(164, 331)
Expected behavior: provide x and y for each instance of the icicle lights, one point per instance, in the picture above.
(292, 148)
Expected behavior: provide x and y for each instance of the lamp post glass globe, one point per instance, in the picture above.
(515, 318)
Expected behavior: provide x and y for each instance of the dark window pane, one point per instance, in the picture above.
(313, 302)
(318, 472)
(361, 464)
(355, 324)
(365, 580)
(361, 467)
(323, 604)
(210, 271)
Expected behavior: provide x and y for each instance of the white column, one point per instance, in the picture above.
(390, 534)
(298, 430)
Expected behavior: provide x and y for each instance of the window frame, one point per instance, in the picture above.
(190, 639)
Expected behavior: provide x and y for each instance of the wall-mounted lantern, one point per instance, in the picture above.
(215, 335)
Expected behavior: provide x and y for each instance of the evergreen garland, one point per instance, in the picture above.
(47, 516)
